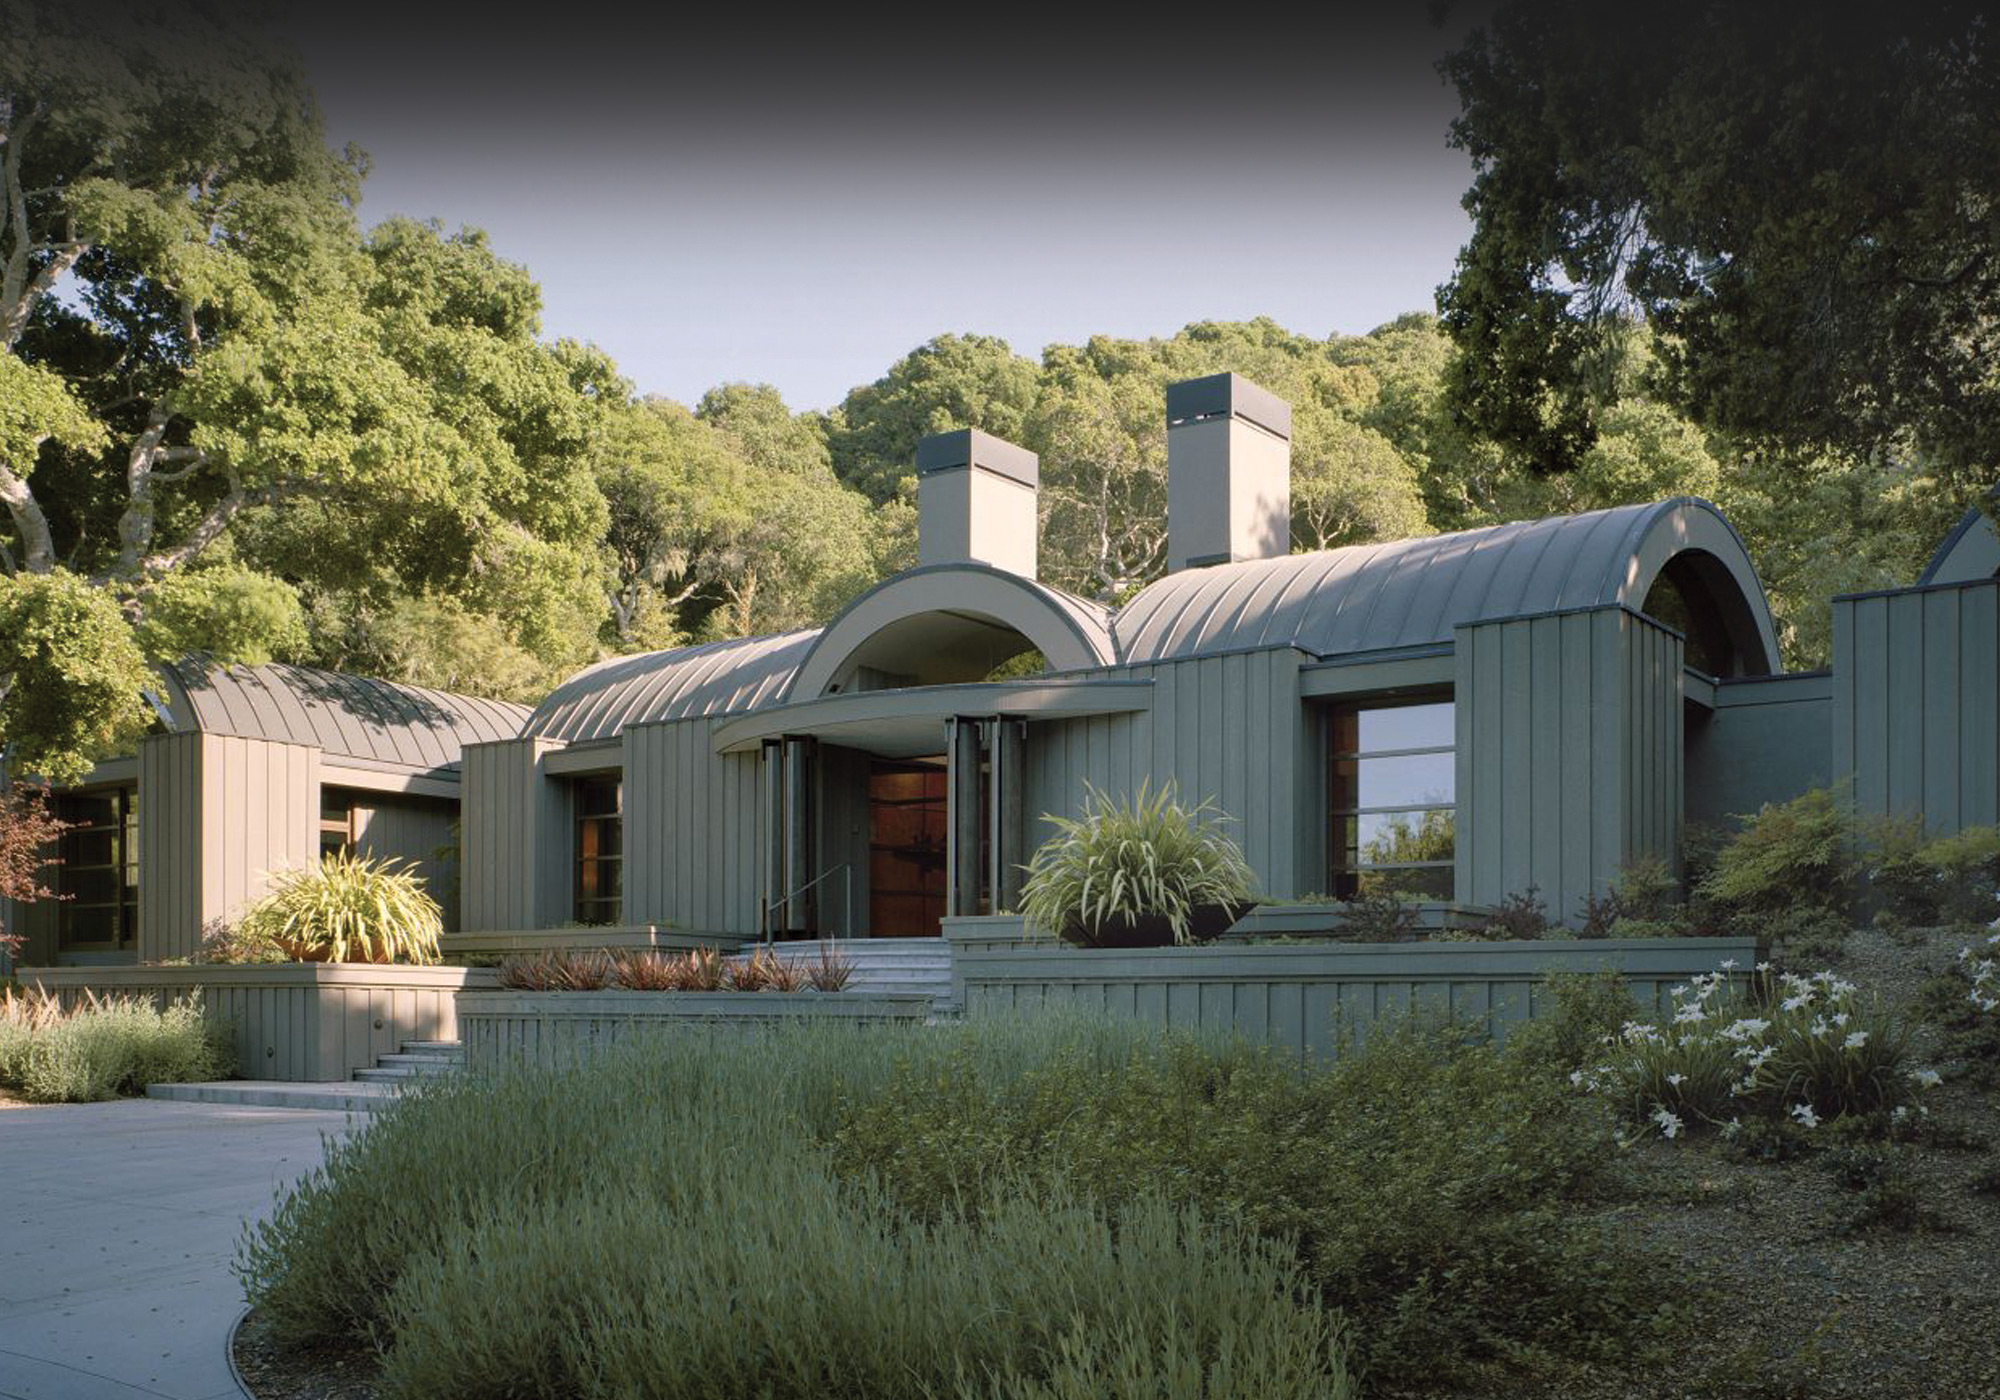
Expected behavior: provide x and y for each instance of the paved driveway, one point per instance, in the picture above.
(120, 1220)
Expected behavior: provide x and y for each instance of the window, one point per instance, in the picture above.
(1392, 790)
(600, 850)
(336, 823)
(98, 878)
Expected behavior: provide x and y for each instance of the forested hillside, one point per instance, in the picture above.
(232, 419)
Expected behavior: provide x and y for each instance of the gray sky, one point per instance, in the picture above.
(803, 207)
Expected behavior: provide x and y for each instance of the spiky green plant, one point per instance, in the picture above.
(348, 908)
(1145, 856)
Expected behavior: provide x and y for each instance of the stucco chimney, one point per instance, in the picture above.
(976, 501)
(1229, 472)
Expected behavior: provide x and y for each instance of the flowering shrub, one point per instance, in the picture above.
(1798, 1049)
(1984, 972)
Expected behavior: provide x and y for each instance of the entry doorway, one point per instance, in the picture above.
(907, 848)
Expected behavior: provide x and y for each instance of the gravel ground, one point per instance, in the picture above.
(1782, 1299)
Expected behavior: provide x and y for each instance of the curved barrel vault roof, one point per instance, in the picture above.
(716, 678)
(1409, 593)
(352, 717)
(1969, 553)
(1335, 602)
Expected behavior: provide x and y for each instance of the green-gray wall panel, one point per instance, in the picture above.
(404, 827)
(1231, 729)
(1569, 753)
(1916, 702)
(691, 829)
(1766, 740)
(514, 830)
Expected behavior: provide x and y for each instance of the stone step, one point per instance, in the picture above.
(424, 1061)
(414, 1047)
(272, 1093)
(390, 1074)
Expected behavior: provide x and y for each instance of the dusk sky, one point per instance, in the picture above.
(710, 207)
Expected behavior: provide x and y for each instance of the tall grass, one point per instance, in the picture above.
(105, 1048)
(667, 1221)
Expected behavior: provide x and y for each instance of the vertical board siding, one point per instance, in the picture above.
(1916, 703)
(514, 832)
(1570, 753)
(399, 826)
(1306, 1001)
(691, 830)
(1227, 729)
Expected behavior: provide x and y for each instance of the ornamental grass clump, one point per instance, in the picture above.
(348, 908)
(106, 1048)
(647, 971)
(557, 970)
(1145, 857)
(1802, 1049)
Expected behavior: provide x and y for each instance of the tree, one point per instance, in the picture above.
(238, 408)
(71, 676)
(27, 830)
(1797, 199)
(969, 381)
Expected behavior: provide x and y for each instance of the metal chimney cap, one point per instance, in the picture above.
(1215, 395)
(968, 447)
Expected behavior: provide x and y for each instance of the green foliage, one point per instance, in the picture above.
(106, 1048)
(227, 944)
(1946, 879)
(70, 676)
(548, 1232)
(1885, 1193)
(347, 908)
(1519, 915)
(1422, 1176)
(1962, 1006)
(231, 614)
(1145, 856)
(1796, 854)
(1804, 1048)
(1380, 917)
(1798, 216)
(1805, 936)
(1584, 1012)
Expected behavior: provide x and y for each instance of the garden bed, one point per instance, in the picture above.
(556, 1028)
(1302, 997)
(299, 1022)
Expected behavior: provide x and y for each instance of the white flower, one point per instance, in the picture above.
(1839, 1018)
(1794, 1003)
(1732, 1127)
(1576, 1076)
(1761, 967)
(1729, 964)
(1928, 1078)
(1804, 1113)
(1819, 1026)
(1855, 1041)
(1677, 992)
(1677, 1080)
(1670, 1123)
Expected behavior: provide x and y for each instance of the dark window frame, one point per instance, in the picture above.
(597, 850)
(123, 833)
(1345, 874)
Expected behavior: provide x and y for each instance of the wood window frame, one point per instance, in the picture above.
(597, 851)
(123, 832)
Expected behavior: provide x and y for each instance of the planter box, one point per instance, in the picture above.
(1328, 921)
(1302, 999)
(558, 1028)
(304, 1022)
(985, 933)
(506, 943)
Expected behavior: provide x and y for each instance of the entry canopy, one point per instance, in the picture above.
(910, 723)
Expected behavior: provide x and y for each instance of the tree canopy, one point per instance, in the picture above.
(1797, 200)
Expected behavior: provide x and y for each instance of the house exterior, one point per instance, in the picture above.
(1458, 717)
(252, 770)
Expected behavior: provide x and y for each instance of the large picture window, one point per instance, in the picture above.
(1393, 795)
(98, 878)
(600, 850)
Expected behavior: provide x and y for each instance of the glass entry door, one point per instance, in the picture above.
(906, 849)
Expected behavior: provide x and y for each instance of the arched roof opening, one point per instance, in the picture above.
(947, 623)
(352, 717)
(1970, 553)
(1411, 593)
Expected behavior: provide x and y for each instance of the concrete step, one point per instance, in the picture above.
(390, 1074)
(425, 1062)
(417, 1047)
(277, 1093)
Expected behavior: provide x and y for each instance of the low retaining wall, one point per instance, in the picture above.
(557, 1028)
(1302, 998)
(505, 943)
(305, 1022)
(1329, 921)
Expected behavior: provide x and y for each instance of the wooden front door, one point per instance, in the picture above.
(906, 849)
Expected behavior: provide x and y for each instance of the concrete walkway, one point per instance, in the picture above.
(120, 1221)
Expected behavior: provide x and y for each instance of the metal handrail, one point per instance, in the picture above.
(844, 868)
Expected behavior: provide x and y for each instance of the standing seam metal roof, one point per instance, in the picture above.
(713, 679)
(1383, 596)
(355, 717)
(1375, 597)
